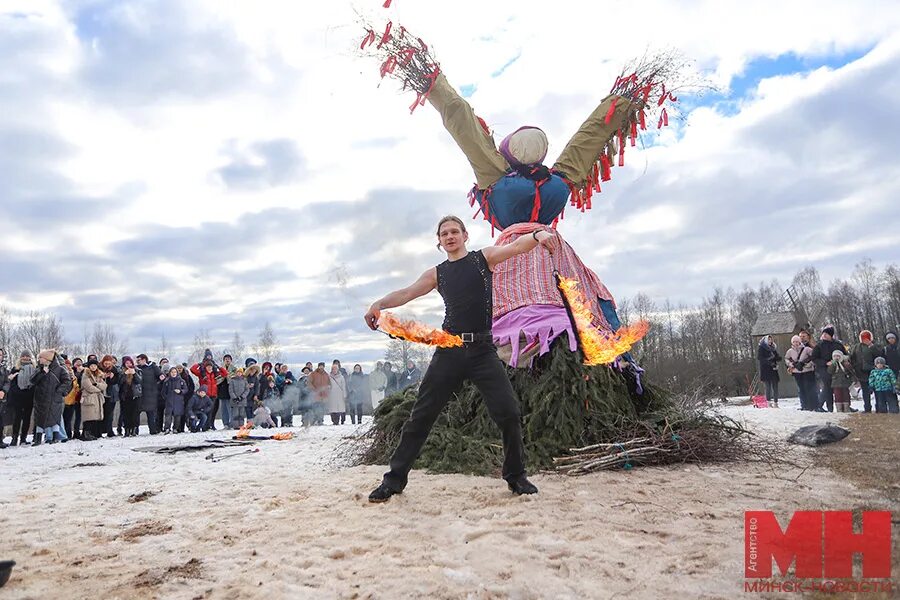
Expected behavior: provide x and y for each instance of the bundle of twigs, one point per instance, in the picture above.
(404, 57)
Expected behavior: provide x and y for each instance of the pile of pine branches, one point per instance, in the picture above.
(576, 419)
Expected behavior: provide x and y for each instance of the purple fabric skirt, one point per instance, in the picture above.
(541, 324)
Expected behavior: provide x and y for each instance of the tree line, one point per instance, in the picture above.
(710, 343)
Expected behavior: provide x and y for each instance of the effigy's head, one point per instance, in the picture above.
(525, 146)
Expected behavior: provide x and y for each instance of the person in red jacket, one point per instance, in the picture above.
(207, 371)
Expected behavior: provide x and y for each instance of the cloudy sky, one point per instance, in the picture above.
(167, 166)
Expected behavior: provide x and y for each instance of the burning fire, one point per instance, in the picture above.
(414, 331)
(287, 435)
(599, 348)
(244, 431)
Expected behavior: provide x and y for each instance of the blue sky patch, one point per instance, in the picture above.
(467, 90)
(507, 65)
(766, 67)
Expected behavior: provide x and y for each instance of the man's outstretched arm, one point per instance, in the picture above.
(526, 243)
(423, 285)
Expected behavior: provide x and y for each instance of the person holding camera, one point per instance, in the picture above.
(799, 363)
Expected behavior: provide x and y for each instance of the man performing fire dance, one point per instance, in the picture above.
(465, 281)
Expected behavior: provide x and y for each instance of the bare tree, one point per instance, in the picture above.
(267, 347)
(6, 332)
(163, 349)
(202, 340)
(38, 331)
(399, 352)
(237, 347)
(105, 340)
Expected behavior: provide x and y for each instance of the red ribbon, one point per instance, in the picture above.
(642, 119)
(633, 134)
(388, 65)
(605, 168)
(611, 111)
(386, 35)
(407, 55)
(387, 4)
(369, 39)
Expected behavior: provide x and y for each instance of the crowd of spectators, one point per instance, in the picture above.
(55, 399)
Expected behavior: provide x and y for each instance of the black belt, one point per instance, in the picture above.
(477, 338)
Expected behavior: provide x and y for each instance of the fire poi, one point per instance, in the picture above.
(414, 331)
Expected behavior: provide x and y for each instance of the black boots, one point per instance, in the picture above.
(383, 493)
(521, 485)
(38, 438)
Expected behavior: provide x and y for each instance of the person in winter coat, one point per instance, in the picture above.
(842, 376)
(768, 358)
(20, 397)
(254, 386)
(51, 384)
(112, 374)
(337, 396)
(393, 380)
(862, 357)
(821, 356)
(884, 382)
(209, 374)
(358, 394)
(305, 400)
(223, 395)
(180, 425)
(198, 409)
(4, 389)
(411, 376)
(150, 376)
(173, 390)
(290, 396)
(799, 363)
(320, 383)
(377, 382)
(892, 352)
(93, 395)
(269, 395)
(262, 416)
(130, 394)
(71, 402)
(237, 392)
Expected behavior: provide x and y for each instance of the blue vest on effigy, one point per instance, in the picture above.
(517, 199)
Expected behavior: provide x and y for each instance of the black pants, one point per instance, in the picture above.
(129, 409)
(866, 391)
(356, 412)
(22, 418)
(109, 409)
(826, 395)
(72, 413)
(151, 420)
(159, 414)
(212, 415)
(449, 368)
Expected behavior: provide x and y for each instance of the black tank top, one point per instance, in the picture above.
(466, 286)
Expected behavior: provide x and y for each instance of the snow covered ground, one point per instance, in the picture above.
(292, 522)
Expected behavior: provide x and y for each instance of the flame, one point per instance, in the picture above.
(286, 435)
(599, 348)
(244, 431)
(414, 331)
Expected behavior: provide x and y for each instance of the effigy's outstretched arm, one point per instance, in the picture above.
(469, 132)
(576, 161)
